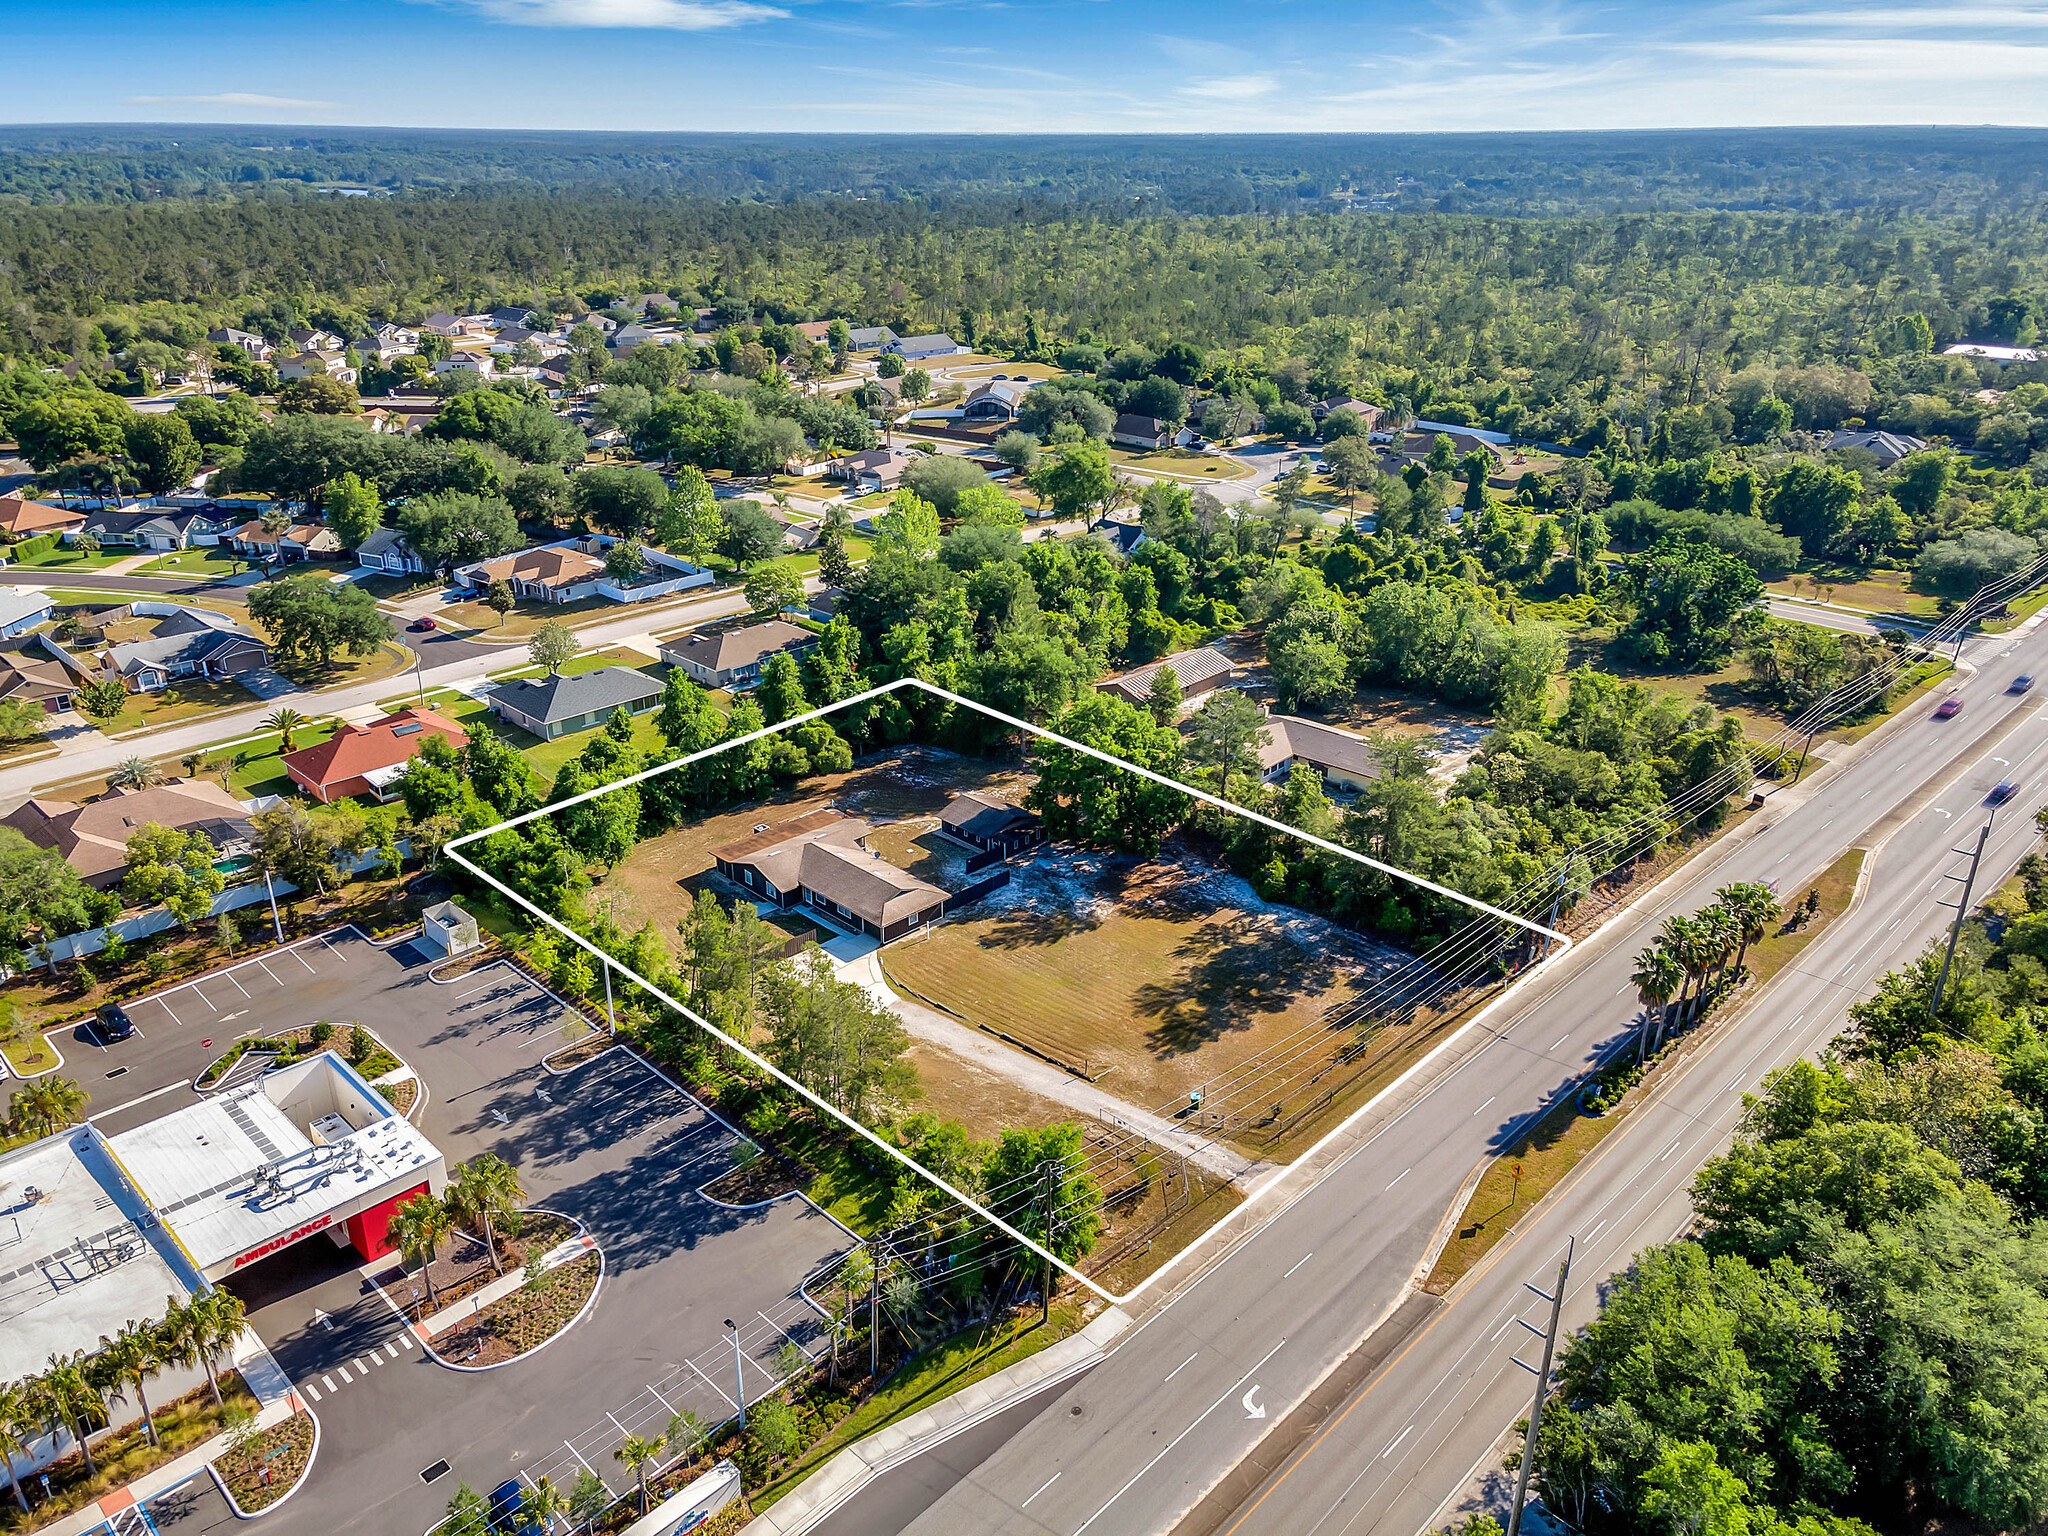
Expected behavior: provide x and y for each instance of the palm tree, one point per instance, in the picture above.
(133, 1356)
(193, 763)
(220, 1316)
(542, 1502)
(135, 773)
(71, 1402)
(484, 1188)
(418, 1227)
(47, 1105)
(18, 1429)
(1720, 934)
(285, 722)
(1755, 908)
(178, 1333)
(636, 1452)
(1656, 977)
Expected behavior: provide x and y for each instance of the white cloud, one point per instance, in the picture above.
(664, 15)
(234, 99)
(1230, 87)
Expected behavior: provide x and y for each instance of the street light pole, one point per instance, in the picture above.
(739, 1381)
(1556, 1300)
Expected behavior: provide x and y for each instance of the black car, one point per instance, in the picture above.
(2003, 791)
(2022, 684)
(115, 1023)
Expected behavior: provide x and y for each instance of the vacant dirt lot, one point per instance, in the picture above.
(1150, 977)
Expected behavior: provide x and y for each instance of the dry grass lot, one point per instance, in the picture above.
(1158, 974)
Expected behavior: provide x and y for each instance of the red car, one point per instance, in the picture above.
(422, 624)
(1948, 708)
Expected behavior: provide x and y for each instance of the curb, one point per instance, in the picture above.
(848, 1472)
(9, 1069)
(305, 1474)
(582, 1312)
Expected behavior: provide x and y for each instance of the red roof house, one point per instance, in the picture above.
(368, 759)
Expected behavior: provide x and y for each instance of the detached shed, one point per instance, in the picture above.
(448, 930)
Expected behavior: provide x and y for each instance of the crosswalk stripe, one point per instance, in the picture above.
(394, 1350)
(328, 1383)
(307, 1388)
(405, 1339)
(342, 1372)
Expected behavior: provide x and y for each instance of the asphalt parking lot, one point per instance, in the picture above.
(611, 1144)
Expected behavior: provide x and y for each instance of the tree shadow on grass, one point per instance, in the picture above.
(1228, 979)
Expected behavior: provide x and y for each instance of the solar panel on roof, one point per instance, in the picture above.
(407, 729)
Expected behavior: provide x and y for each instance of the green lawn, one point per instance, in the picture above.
(263, 771)
(71, 559)
(215, 562)
(858, 547)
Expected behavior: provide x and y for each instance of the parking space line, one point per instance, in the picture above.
(193, 988)
(294, 953)
(266, 970)
(799, 1343)
(693, 1365)
(230, 975)
(167, 1009)
(324, 944)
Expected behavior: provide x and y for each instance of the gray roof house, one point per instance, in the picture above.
(733, 658)
(820, 860)
(387, 550)
(1199, 671)
(995, 400)
(1345, 761)
(22, 610)
(244, 341)
(869, 338)
(1888, 447)
(914, 347)
(156, 527)
(555, 706)
(190, 642)
(1120, 536)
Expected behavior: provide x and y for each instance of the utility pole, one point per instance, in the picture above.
(1045, 1228)
(1803, 751)
(739, 1381)
(1549, 1337)
(874, 1316)
(1962, 910)
(276, 922)
(608, 1013)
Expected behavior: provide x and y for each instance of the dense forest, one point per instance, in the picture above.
(1808, 169)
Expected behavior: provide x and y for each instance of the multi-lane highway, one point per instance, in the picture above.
(1192, 1392)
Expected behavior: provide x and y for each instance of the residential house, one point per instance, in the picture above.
(991, 824)
(821, 861)
(878, 469)
(817, 331)
(797, 534)
(309, 365)
(627, 337)
(1345, 761)
(733, 658)
(22, 610)
(647, 303)
(387, 342)
(368, 759)
(870, 338)
(93, 837)
(1120, 536)
(301, 541)
(915, 348)
(555, 706)
(1200, 670)
(995, 400)
(548, 574)
(25, 519)
(160, 528)
(510, 315)
(544, 342)
(191, 642)
(246, 342)
(1146, 432)
(39, 671)
(387, 550)
(1369, 414)
(315, 341)
(441, 323)
(480, 363)
(1887, 447)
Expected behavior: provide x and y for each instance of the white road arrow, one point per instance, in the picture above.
(1253, 1410)
(323, 1319)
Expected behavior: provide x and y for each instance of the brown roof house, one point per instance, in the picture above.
(24, 518)
(1199, 671)
(550, 574)
(734, 657)
(1345, 761)
(821, 861)
(368, 759)
(39, 671)
(93, 837)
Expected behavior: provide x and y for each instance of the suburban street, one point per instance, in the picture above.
(1192, 1392)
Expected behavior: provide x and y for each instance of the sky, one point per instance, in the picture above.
(1007, 66)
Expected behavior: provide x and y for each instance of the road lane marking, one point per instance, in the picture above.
(1397, 1441)
(1400, 1176)
(1306, 1257)
(1176, 1440)
(1560, 1040)
(1191, 1359)
(1596, 1228)
(1047, 1483)
(1489, 1101)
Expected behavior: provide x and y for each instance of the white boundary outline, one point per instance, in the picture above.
(452, 851)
